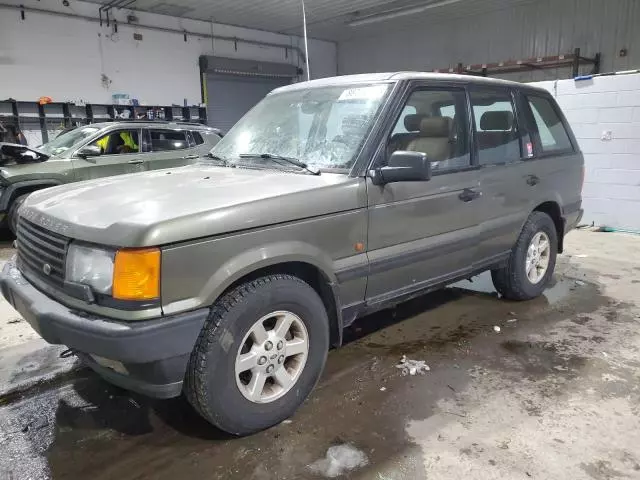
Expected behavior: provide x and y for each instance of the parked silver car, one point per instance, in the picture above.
(98, 150)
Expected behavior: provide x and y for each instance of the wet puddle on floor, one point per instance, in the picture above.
(93, 430)
(560, 287)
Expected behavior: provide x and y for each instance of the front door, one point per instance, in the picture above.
(424, 233)
(121, 153)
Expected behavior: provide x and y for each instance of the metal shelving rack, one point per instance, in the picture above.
(573, 60)
(32, 115)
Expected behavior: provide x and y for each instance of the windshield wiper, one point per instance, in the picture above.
(223, 161)
(291, 161)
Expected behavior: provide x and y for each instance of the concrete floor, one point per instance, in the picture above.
(554, 395)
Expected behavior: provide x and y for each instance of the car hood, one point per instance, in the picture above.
(168, 206)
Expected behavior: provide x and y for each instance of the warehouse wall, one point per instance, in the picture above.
(66, 58)
(604, 114)
(536, 28)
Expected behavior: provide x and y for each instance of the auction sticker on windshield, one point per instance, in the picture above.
(371, 92)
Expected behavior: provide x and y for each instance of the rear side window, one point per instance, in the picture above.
(211, 138)
(197, 138)
(495, 127)
(553, 135)
(165, 140)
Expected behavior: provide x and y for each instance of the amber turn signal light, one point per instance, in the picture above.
(136, 274)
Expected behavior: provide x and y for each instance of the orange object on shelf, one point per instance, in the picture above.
(44, 100)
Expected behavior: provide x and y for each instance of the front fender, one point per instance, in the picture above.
(13, 190)
(214, 277)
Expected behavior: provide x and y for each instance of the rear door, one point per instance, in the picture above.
(121, 154)
(501, 146)
(169, 148)
(555, 173)
(424, 233)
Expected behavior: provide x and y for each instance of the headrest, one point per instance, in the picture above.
(496, 121)
(412, 122)
(353, 124)
(435, 127)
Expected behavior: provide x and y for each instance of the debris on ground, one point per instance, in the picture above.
(580, 283)
(412, 367)
(36, 424)
(582, 255)
(511, 320)
(383, 389)
(15, 320)
(339, 460)
(496, 328)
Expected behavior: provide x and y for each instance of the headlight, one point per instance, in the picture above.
(91, 266)
(127, 274)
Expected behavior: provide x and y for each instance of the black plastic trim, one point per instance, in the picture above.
(140, 341)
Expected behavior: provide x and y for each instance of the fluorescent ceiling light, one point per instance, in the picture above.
(378, 17)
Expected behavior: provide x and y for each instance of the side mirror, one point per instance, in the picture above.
(403, 167)
(89, 151)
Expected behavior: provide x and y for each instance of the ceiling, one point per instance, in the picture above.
(326, 19)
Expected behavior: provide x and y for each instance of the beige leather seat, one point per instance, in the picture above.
(434, 139)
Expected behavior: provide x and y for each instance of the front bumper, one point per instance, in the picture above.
(151, 355)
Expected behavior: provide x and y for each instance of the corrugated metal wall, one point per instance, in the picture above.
(542, 27)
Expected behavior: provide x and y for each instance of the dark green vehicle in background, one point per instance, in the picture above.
(95, 151)
(230, 279)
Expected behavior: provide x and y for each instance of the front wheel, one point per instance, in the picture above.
(259, 355)
(532, 260)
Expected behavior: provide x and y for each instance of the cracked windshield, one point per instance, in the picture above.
(323, 128)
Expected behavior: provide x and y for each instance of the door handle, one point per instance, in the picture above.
(190, 157)
(533, 180)
(133, 162)
(468, 195)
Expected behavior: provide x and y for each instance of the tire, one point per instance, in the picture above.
(211, 383)
(12, 216)
(511, 281)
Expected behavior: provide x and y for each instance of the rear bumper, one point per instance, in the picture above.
(149, 357)
(572, 220)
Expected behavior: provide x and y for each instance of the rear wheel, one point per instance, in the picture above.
(259, 355)
(532, 261)
(12, 216)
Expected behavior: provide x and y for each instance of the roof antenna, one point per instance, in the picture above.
(306, 46)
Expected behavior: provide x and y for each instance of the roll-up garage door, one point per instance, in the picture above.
(234, 86)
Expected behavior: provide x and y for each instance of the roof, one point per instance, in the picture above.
(399, 76)
(156, 123)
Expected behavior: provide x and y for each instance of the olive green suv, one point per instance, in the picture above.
(229, 280)
(94, 151)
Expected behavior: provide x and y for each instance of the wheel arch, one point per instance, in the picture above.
(552, 208)
(15, 190)
(315, 277)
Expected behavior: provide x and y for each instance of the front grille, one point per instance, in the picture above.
(38, 247)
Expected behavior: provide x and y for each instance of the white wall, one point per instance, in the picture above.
(599, 109)
(65, 58)
(537, 28)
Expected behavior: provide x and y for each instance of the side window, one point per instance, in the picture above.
(442, 135)
(407, 110)
(495, 127)
(197, 138)
(166, 140)
(119, 142)
(553, 135)
(212, 138)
